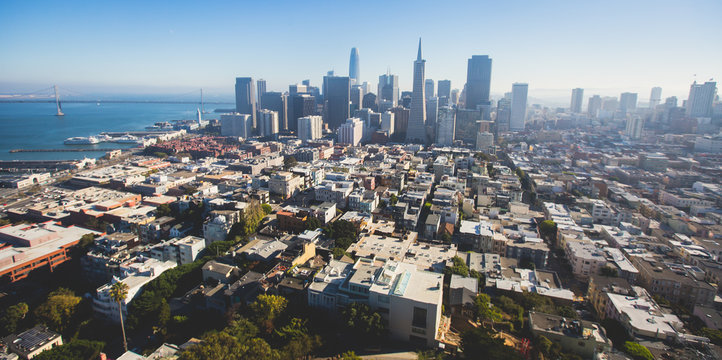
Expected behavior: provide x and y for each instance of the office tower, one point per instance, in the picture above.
(517, 117)
(594, 106)
(310, 128)
(634, 127)
(484, 141)
(655, 97)
(701, 97)
(406, 99)
(478, 81)
(237, 125)
(350, 132)
(432, 110)
(246, 97)
(401, 119)
(353, 67)
(299, 105)
(454, 97)
(369, 101)
(627, 102)
(416, 131)
(267, 122)
(356, 96)
(503, 113)
(389, 89)
(577, 99)
(336, 99)
(429, 88)
(610, 104)
(670, 102)
(261, 85)
(387, 123)
(467, 125)
(444, 89)
(306, 83)
(294, 89)
(276, 101)
(445, 126)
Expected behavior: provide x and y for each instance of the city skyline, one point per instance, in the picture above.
(164, 54)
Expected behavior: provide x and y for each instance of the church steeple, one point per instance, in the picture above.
(418, 57)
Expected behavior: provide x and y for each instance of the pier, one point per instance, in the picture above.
(60, 150)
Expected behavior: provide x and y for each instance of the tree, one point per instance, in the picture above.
(430, 355)
(362, 320)
(480, 343)
(74, 350)
(160, 154)
(393, 199)
(715, 336)
(637, 351)
(59, 310)
(608, 271)
(484, 309)
(118, 293)
(162, 210)
(548, 229)
(289, 162)
(266, 308)
(459, 267)
(12, 316)
(312, 223)
(267, 209)
(86, 240)
(445, 237)
(350, 355)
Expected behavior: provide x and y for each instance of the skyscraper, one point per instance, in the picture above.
(577, 99)
(309, 128)
(594, 105)
(246, 97)
(429, 88)
(416, 131)
(478, 81)
(267, 122)
(350, 132)
(353, 67)
(261, 84)
(634, 127)
(276, 101)
(387, 123)
(445, 126)
(401, 120)
(388, 89)
(299, 105)
(517, 117)
(238, 125)
(655, 97)
(701, 97)
(503, 113)
(627, 102)
(443, 88)
(336, 98)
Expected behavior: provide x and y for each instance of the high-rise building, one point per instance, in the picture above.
(577, 99)
(294, 89)
(478, 81)
(432, 111)
(310, 128)
(594, 105)
(401, 119)
(353, 67)
(467, 125)
(517, 118)
(237, 125)
(416, 131)
(634, 127)
(369, 101)
(655, 97)
(267, 122)
(246, 97)
(356, 97)
(627, 102)
(261, 85)
(454, 97)
(443, 89)
(701, 98)
(387, 123)
(445, 126)
(484, 141)
(389, 89)
(276, 101)
(429, 88)
(350, 132)
(336, 98)
(299, 105)
(503, 113)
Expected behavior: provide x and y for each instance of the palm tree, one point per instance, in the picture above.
(118, 292)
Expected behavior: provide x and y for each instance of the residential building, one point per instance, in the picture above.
(351, 132)
(310, 128)
(32, 342)
(577, 99)
(581, 337)
(267, 123)
(285, 184)
(237, 125)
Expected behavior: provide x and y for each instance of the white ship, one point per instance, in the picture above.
(128, 139)
(79, 140)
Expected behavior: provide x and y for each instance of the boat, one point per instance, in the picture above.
(127, 139)
(164, 125)
(80, 140)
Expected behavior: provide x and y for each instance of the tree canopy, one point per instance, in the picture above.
(364, 322)
(480, 343)
(637, 351)
(58, 311)
(12, 317)
(74, 350)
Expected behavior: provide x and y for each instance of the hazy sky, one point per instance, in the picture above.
(176, 46)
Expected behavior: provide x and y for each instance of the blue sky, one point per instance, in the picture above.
(177, 46)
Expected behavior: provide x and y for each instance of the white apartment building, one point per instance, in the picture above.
(285, 184)
(351, 132)
(310, 128)
(585, 258)
(363, 201)
(183, 251)
(334, 191)
(238, 125)
(267, 122)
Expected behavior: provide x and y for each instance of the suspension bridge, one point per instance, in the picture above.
(60, 94)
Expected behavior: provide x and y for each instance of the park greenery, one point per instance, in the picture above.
(74, 350)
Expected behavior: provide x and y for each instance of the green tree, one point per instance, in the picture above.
(366, 323)
(459, 267)
(13, 316)
(86, 240)
(160, 154)
(312, 223)
(267, 209)
(163, 210)
(430, 355)
(715, 336)
(58, 311)
(445, 237)
(266, 308)
(480, 343)
(118, 293)
(74, 350)
(289, 162)
(548, 229)
(484, 309)
(637, 351)
(349, 355)
(393, 199)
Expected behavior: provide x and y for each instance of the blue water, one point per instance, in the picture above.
(34, 125)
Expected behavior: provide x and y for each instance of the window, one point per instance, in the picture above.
(419, 319)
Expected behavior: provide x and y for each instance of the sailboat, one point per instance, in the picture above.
(57, 102)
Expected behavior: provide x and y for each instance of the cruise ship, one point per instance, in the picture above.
(80, 140)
